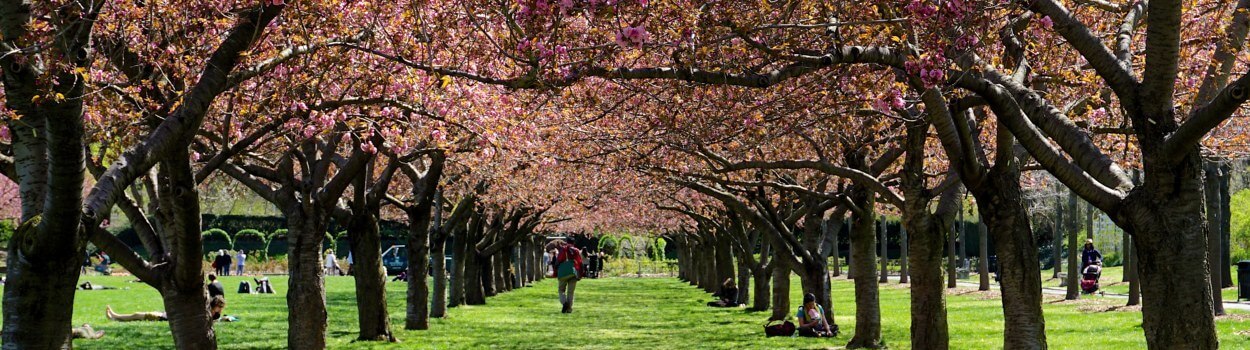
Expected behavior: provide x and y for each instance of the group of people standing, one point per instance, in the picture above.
(221, 264)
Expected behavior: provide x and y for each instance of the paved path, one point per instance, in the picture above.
(1228, 305)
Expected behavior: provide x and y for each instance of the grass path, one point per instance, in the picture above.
(618, 313)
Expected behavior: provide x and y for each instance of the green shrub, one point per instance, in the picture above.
(261, 242)
(1112, 259)
(217, 239)
(1239, 232)
(7, 227)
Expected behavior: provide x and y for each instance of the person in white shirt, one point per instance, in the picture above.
(351, 265)
(331, 263)
(242, 256)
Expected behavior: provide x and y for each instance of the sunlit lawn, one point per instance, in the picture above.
(620, 313)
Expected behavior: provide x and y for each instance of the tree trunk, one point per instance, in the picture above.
(306, 295)
(724, 260)
(867, 295)
(1169, 228)
(38, 299)
(370, 277)
(1002, 207)
(189, 318)
(458, 260)
(744, 280)
(883, 241)
(474, 288)
(1056, 242)
(1126, 248)
(710, 272)
(1226, 222)
(761, 275)
(417, 315)
(524, 264)
(1130, 272)
(438, 250)
(983, 266)
(904, 271)
(928, 300)
(1074, 270)
(951, 264)
(837, 254)
(950, 257)
(781, 291)
(1214, 222)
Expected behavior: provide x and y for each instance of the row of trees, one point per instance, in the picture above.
(740, 127)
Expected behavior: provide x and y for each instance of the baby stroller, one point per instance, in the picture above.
(1089, 278)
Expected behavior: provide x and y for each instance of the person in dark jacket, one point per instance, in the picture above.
(1089, 255)
(728, 295)
(214, 287)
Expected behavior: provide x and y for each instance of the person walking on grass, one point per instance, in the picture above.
(568, 260)
(242, 256)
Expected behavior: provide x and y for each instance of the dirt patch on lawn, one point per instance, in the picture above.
(1108, 308)
(1233, 317)
(972, 292)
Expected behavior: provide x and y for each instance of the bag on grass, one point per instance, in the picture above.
(778, 330)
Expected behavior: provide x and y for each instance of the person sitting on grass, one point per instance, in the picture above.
(86, 332)
(811, 317)
(215, 306)
(214, 287)
(728, 295)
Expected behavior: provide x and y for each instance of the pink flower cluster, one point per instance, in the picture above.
(633, 36)
(889, 101)
(541, 49)
(930, 68)
(921, 11)
(1046, 22)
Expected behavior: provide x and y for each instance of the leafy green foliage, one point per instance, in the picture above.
(1239, 240)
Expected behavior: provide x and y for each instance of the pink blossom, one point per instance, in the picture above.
(195, 156)
(4, 132)
(632, 36)
(1046, 22)
(1100, 113)
(277, 2)
(309, 131)
(897, 102)
(368, 147)
(299, 106)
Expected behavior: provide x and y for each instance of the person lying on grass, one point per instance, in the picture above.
(811, 317)
(88, 286)
(216, 306)
(86, 332)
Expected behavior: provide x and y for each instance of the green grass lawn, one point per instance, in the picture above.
(622, 313)
(1110, 282)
